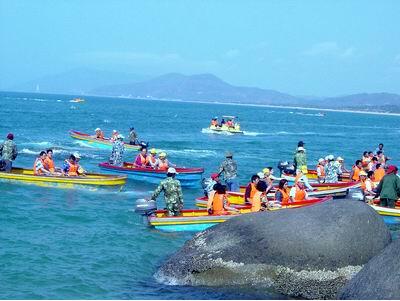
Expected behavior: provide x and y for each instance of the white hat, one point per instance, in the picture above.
(172, 170)
(339, 159)
(97, 129)
(120, 136)
(330, 158)
(320, 160)
(115, 131)
(300, 148)
(261, 175)
(77, 155)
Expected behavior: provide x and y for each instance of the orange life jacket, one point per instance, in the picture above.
(151, 159)
(300, 194)
(49, 164)
(163, 165)
(253, 190)
(321, 170)
(378, 174)
(256, 203)
(37, 172)
(363, 185)
(218, 204)
(285, 195)
(356, 174)
(73, 169)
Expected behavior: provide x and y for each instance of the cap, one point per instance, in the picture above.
(153, 151)
(97, 129)
(120, 136)
(115, 131)
(228, 154)
(214, 175)
(320, 160)
(172, 170)
(331, 158)
(339, 159)
(162, 154)
(300, 148)
(266, 170)
(77, 155)
(260, 175)
(300, 143)
(363, 173)
(10, 136)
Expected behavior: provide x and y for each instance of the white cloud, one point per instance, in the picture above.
(330, 49)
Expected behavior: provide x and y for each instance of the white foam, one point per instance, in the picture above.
(190, 152)
(208, 131)
(246, 133)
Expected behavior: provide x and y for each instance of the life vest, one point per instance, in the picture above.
(73, 169)
(365, 161)
(285, 196)
(35, 171)
(378, 174)
(100, 135)
(142, 160)
(49, 164)
(214, 122)
(256, 204)
(321, 170)
(253, 190)
(163, 165)
(151, 160)
(356, 174)
(218, 204)
(300, 194)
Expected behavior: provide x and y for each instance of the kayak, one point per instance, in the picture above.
(320, 186)
(105, 143)
(200, 219)
(390, 215)
(91, 179)
(313, 176)
(334, 190)
(187, 176)
(225, 129)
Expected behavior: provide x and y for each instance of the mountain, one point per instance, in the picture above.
(201, 87)
(76, 82)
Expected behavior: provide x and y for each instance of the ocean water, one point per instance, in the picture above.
(89, 244)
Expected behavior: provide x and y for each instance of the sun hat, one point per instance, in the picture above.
(163, 154)
(339, 159)
(228, 154)
(97, 129)
(153, 151)
(320, 160)
(77, 155)
(172, 170)
(266, 170)
(120, 136)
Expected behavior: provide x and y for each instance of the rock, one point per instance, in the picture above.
(379, 279)
(307, 252)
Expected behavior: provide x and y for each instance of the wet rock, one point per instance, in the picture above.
(308, 252)
(379, 279)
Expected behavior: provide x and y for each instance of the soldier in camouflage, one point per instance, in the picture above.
(8, 153)
(229, 169)
(172, 193)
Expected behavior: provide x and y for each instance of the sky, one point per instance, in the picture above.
(318, 48)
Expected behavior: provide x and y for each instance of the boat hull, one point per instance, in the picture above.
(189, 177)
(390, 215)
(89, 141)
(95, 180)
(225, 129)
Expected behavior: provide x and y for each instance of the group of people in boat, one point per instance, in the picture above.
(229, 123)
(44, 165)
(115, 135)
(154, 160)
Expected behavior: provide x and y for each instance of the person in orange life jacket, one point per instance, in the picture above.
(152, 158)
(321, 170)
(259, 196)
(81, 170)
(38, 166)
(379, 172)
(218, 202)
(141, 159)
(98, 134)
(251, 188)
(214, 122)
(298, 192)
(163, 163)
(282, 193)
(365, 159)
(71, 166)
(49, 162)
(355, 172)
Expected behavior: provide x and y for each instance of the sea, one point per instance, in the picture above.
(89, 243)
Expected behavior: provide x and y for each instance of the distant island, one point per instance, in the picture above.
(201, 88)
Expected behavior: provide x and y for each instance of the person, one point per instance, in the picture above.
(258, 197)
(372, 165)
(379, 172)
(229, 169)
(379, 148)
(298, 192)
(300, 160)
(381, 158)
(114, 135)
(117, 153)
(163, 163)
(214, 122)
(38, 166)
(251, 188)
(70, 166)
(222, 122)
(99, 134)
(303, 178)
(172, 193)
(81, 170)
(271, 174)
(133, 137)
(340, 164)
(48, 162)
(152, 158)
(8, 153)
(355, 172)
(141, 159)
(368, 185)
(209, 183)
(389, 188)
(229, 123)
(321, 170)
(267, 179)
(332, 171)
(365, 159)
(218, 203)
(282, 193)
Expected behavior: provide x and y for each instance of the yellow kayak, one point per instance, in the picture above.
(92, 179)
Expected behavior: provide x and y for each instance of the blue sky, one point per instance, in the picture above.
(323, 48)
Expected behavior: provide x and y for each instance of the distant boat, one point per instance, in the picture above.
(77, 99)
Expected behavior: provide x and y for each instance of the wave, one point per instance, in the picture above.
(247, 133)
(293, 133)
(43, 143)
(81, 143)
(36, 152)
(309, 114)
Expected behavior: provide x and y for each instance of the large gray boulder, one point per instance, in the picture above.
(307, 252)
(379, 279)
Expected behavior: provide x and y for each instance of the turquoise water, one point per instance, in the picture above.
(89, 244)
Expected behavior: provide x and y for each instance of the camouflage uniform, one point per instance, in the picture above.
(229, 168)
(8, 151)
(300, 161)
(172, 195)
(117, 153)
